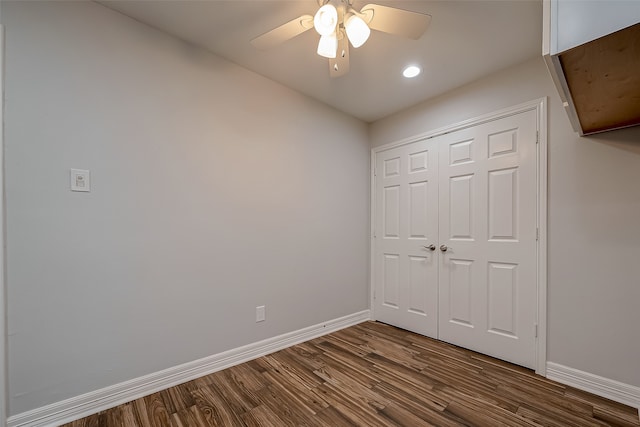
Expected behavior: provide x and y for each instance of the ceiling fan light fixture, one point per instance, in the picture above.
(328, 46)
(341, 27)
(326, 20)
(357, 30)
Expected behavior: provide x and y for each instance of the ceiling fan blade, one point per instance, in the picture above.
(400, 22)
(284, 32)
(339, 66)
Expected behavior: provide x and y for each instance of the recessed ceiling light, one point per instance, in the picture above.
(411, 71)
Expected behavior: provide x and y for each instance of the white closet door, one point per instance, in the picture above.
(406, 223)
(487, 221)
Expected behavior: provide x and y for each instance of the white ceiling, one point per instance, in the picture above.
(465, 41)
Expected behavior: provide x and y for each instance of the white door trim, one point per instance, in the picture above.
(540, 107)
(3, 242)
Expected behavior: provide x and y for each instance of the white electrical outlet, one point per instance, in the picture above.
(260, 313)
(80, 180)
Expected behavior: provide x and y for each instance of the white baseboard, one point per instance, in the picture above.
(604, 387)
(81, 406)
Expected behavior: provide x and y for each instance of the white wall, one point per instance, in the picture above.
(214, 190)
(594, 214)
(577, 22)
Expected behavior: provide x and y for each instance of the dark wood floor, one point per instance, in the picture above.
(369, 375)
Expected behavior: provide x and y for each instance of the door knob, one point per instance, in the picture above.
(431, 247)
(443, 248)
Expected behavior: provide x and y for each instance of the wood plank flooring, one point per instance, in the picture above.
(370, 374)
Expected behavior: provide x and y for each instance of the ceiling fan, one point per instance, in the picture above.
(339, 24)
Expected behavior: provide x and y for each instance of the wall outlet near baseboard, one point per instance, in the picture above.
(260, 313)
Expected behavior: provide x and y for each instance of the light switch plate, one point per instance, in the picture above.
(80, 180)
(260, 313)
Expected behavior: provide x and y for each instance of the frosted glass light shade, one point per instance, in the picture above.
(357, 31)
(326, 20)
(328, 46)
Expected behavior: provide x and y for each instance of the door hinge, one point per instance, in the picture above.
(537, 137)
(537, 234)
(374, 294)
(535, 329)
(375, 172)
